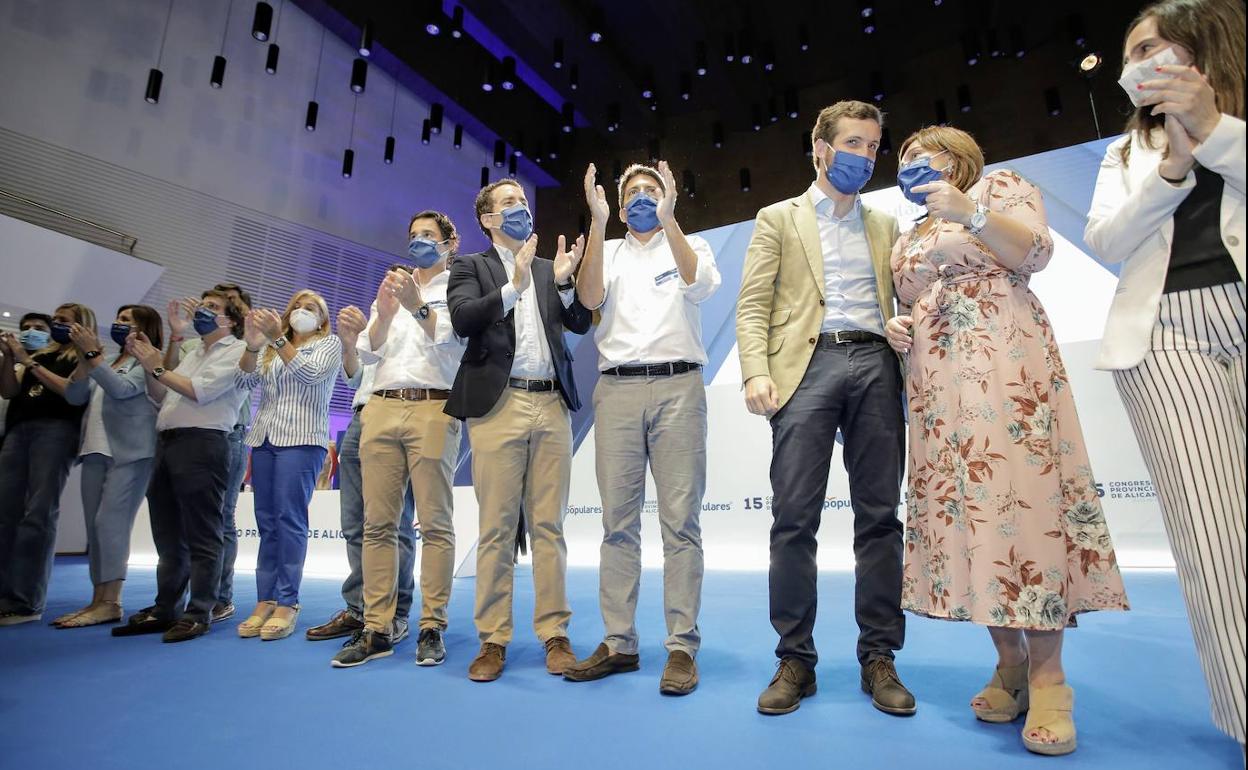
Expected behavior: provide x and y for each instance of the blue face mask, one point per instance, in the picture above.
(642, 213)
(60, 332)
(119, 332)
(33, 339)
(423, 252)
(517, 222)
(917, 173)
(205, 321)
(849, 173)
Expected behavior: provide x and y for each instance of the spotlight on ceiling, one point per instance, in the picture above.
(262, 22)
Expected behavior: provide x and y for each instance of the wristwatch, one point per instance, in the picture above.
(91, 354)
(979, 220)
(566, 286)
(278, 343)
(158, 372)
(421, 313)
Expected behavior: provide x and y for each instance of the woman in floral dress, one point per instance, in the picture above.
(1004, 527)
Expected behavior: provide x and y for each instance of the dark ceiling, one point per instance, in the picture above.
(1022, 95)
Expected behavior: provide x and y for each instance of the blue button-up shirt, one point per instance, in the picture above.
(848, 275)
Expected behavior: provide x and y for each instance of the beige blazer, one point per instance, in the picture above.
(781, 306)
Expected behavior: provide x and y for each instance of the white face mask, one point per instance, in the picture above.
(1135, 74)
(303, 321)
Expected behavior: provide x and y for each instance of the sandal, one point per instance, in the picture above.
(1052, 709)
(280, 628)
(62, 620)
(1007, 694)
(250, 627)
(102, 612)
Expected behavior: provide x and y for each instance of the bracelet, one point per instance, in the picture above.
(254, 351)
(566, 286)
(1171, 181)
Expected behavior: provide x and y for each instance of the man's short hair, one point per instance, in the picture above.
(44, 317)
(244, 296)
(634, 170)
(483, 202)
(829, 121)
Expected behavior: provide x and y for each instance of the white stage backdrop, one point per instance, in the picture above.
(1076, 291)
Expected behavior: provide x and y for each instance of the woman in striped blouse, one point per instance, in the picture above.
(294, 359)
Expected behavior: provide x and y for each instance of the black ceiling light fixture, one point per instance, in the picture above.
(964, 98)
(1017, 42)
(942, 113)
(262, 22)
(866, 8)
(348, 157)
(1077, 36)
(457, 141)
(868, 25)
(686, 85)
(995, 49)
(388, 157)
(803, 38)
(769, 56)
(500, 153)
(490, 75)
(517, 144)
(717, 134)
(745, 46)
(558, 56)
(436, 111)
(366, 39)
(512, 164)
(877, 86)
(457, 22)
(689, 182)
(270, 58)
(217, 79)
(155, 77)
(790, 103)
(309, 120)
(699, 58)
(359, 75)
(508, 77)
(597, 24)
(647, 85)
(745, 180)
(730, 48)
(773, 113)
(485, 175)
(1053, 101)
(553, 152)
(568, 117)
(970, 48)
(432, 12)
(886, 142)
(756, 115)
(613, 116)
(574, 77)
(426, 131)
(653, 151)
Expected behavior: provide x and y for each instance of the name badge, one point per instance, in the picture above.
(666, 276)
(437, 303)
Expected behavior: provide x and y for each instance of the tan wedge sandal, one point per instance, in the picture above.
(1007, 694)
(1052, 709)
(280, 628)
(250, 628)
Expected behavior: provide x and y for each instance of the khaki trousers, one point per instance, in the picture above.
(407, 442)
(522, 457)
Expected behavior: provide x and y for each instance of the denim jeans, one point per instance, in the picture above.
(283, 478)
(351, 497)
(229, 533)
(35, 459)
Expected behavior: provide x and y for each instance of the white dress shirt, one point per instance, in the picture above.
(409, 358)
(294, 397)
(362, 381)
(217, 397)
(94, 436)
(848, 275)
(532, 360)
(649, 314)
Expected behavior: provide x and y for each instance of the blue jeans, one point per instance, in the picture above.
(229, 533)
(35, 458)
(283, 479)
(351, 497)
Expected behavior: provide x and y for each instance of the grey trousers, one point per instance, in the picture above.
(661, 420)
(111, 495)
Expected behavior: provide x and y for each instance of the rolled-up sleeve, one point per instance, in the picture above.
(219, 375)
(364, 344)
(706, 279)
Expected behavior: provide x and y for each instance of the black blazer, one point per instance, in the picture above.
(474, 298)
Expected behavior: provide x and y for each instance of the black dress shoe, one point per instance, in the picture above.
(185, 630)
(602, 663)
(888, 694)
(144, 621)
(792, 682)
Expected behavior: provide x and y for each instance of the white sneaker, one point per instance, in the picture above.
(18, 618)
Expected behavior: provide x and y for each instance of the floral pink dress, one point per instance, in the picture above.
(1004, 526)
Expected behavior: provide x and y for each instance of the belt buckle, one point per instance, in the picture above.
(836, 337)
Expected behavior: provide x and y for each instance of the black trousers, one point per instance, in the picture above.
(856, 388)
(184, 498)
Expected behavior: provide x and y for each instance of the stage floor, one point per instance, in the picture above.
(82, 699)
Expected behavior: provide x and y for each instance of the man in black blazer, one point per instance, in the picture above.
(515, 389)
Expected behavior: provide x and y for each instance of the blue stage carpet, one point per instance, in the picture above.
(82, 699)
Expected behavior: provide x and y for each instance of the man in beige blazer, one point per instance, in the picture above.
(815, 295)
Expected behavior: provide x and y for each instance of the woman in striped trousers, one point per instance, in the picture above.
(1169, 205)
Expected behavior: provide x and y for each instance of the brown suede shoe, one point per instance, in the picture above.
(792, 682)
(602, 663)
(559, 655)
(888, 694)
(680, 675)
(488, 665)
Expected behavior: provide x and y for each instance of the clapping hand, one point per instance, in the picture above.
(566, 259)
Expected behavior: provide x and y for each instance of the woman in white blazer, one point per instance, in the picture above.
(1169, 206)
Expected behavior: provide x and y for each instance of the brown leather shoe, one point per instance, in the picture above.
(602, 663)
(340, 625)
(559, 655)
(680, 675)
(488, 665)
(792, 682)
(888, 694)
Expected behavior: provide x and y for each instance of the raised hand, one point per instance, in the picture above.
(1180, 91)
(269, 322)
(667, 204)
(351, 322)
(596, 197)
(524, 262)
(1179, 159)
(566, 259)
(944, 201)
(181, 312)
(405, 289)
(83, 338)
(253, 335)
(147, 354)
(387, 301)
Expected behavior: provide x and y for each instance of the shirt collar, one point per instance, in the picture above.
(824, 205)
(505, 253)
(659, 238)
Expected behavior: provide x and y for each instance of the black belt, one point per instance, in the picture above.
(357, 408)
(653, 370)
(522, 384)
(829, 339)
(414, 394)
(172, 433)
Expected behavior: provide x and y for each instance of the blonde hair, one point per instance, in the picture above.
(828, 123)
(966, 159)
(289, 333)
(84, 317)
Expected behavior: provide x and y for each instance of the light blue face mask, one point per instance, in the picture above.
(423, 252)
(849, 173)
(517, 222)
(34, 339)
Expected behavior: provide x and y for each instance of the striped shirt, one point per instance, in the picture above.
(294, 397)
